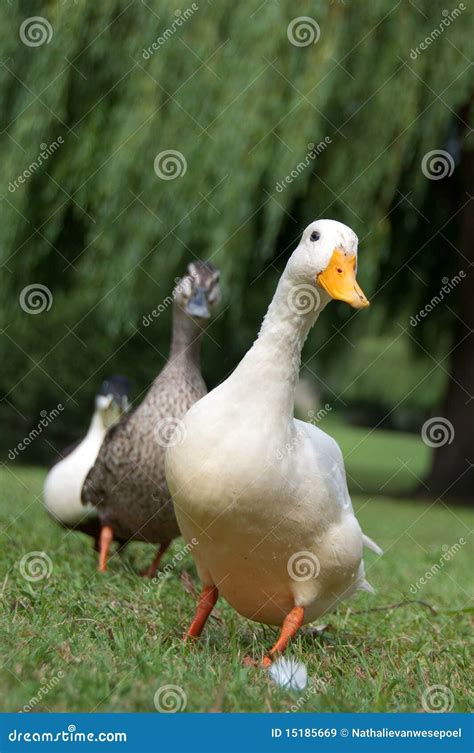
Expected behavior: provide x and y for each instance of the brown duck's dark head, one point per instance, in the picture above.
(198, 292)
(113, 399)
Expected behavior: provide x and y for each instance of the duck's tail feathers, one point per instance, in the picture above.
(91, 494)
(364, 585)
(370, 544)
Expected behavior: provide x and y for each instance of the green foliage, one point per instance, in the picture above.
(382, 379)
(229, 91)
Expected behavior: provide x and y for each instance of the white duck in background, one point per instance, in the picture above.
(63, 485)
(265, 495)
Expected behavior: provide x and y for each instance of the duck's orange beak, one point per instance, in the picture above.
(339, 280)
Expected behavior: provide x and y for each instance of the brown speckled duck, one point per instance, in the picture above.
(127, 483)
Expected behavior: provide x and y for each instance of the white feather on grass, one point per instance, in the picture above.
(289, 674)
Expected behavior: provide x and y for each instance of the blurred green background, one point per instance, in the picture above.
(243, 105)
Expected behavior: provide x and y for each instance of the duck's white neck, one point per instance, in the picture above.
(96, 427)
(275, 357)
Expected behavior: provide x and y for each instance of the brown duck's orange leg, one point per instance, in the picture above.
(206, 603)
(152, 569)
(106, 538)
(291, 625)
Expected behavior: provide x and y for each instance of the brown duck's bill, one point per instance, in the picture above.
(198, 305)
(339, 280)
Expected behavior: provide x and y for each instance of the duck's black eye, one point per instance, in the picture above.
(315, 236)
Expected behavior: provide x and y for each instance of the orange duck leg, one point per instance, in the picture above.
(152, 569)
(206, 603)
(291, 625)
(106, 538)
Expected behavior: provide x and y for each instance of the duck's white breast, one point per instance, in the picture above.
(63, 485)
(255, 497)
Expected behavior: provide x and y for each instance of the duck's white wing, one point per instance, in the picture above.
(62, 488)
(330, 462)
(328, 447)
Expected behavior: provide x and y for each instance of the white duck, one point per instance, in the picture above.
(63, 485)
(263, 494)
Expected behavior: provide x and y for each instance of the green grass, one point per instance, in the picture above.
(80, 641)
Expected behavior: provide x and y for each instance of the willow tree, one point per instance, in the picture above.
(216, 131)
